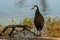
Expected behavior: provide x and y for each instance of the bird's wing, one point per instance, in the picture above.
(40, 21)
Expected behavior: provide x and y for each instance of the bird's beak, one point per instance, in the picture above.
(32, 8)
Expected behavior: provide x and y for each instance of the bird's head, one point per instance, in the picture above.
(35, 7)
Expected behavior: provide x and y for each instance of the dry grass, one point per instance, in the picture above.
(53, 27)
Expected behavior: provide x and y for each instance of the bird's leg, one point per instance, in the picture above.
(37, 32)
(40, 33)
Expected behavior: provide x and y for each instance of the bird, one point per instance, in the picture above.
(38, 19)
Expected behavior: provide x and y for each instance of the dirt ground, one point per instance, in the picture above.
(35, 38)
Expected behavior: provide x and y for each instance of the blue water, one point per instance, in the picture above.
(20, 9)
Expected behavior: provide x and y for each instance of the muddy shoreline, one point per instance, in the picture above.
(29, 38)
